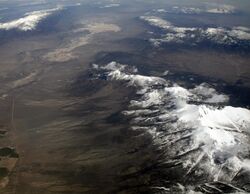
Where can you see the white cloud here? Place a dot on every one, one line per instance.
(28, 22)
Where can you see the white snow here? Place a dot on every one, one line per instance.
(241, 33)
(211, 8)
(28, 22)
(150, 98)
(217, 132)
(156, 21)
(222, 9)
(111, 5)
(209, 94)
(179, 34)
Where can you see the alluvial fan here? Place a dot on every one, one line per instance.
(205, 142)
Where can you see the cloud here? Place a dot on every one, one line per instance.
(196, 35)
(28, 22)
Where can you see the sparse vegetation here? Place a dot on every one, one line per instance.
(3, 172)
(8, 152)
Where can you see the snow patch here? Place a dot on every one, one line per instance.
(111, 5)
(212, 9)
(29, 21)
(196, 35)
(195, 120)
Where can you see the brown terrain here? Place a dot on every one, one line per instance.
(61, 132)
